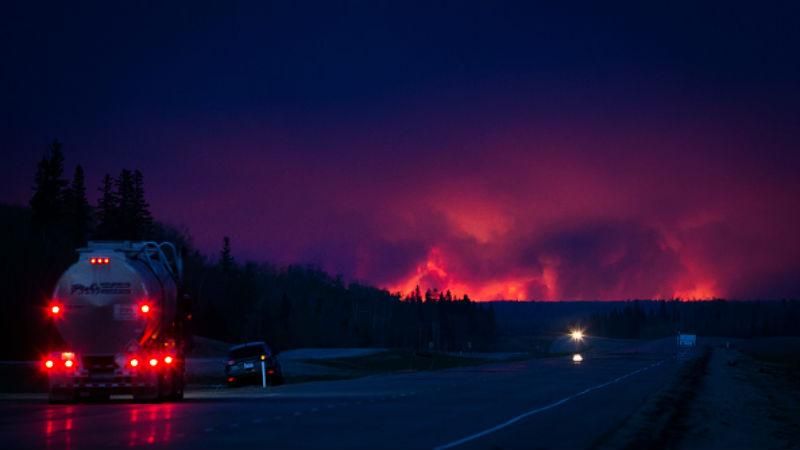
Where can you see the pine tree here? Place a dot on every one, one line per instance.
(127, 210)
(78, 211)
(107, 210)
(226, 261)
(142, 219)
(47, 202)
(417, 294)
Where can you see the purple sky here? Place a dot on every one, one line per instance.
(498, 150)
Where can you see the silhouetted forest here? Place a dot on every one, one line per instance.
(294, 306)
(651, 318)
(742, 319)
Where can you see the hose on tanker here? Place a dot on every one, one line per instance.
(150, 245)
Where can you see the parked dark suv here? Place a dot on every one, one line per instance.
(244, 364)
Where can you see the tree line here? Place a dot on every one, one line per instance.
(57, 204)
(742, 319)
(292, 306)
(302, 306)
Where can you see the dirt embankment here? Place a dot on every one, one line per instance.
(660, 423)
(724, 399)
(746, 403)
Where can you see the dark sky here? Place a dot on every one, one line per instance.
(507, 150)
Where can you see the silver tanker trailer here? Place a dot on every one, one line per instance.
(123, 323)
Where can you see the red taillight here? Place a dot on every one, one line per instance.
(144, 308)
(153, 362)
(49, 364)
(69, 363)
(134, 362)
(168, 360)
(97, 260)
(55, 310)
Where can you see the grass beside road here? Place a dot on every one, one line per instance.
(392, 361)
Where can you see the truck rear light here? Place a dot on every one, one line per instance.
(55, 309)
(49, 364)
(153, 362)
(168, 359)
(69, 359)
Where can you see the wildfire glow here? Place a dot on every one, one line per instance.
(433, 274)
(541, 282)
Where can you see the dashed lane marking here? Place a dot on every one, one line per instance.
(541, 409)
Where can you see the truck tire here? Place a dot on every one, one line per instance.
(56, 397)
(150, 397)
(176, 388)
(100, 397)
(153, 395)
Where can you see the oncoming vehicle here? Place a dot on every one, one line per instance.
(245, 363)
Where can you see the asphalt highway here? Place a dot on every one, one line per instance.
(535, 404)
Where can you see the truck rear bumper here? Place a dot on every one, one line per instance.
(78, 387)
(102, 386)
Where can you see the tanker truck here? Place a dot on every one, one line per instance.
(123, 324)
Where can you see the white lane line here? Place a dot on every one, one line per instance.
(532, 412)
